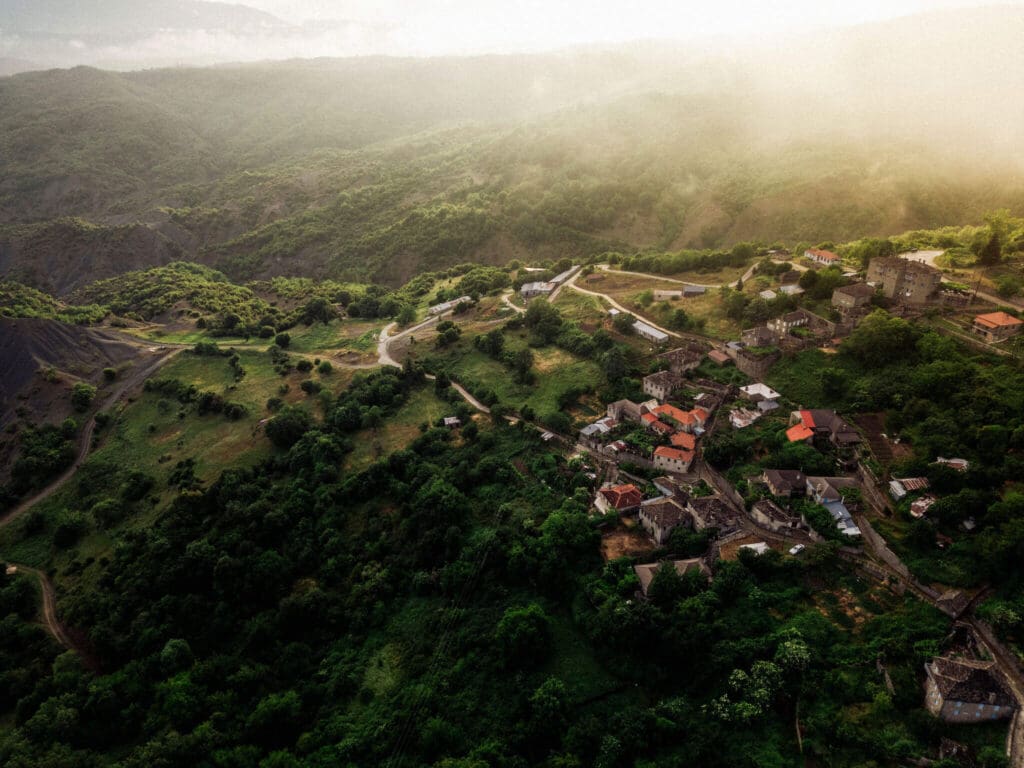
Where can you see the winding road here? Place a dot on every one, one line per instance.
(50, 620)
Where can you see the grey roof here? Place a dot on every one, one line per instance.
(649, 330)
(537, 288)
(970, 681)
(857, 290)
(785, 478)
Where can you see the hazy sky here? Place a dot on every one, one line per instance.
(461, 26)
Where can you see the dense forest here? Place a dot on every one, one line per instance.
(444, 607)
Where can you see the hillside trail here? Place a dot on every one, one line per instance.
(50, 621)
(85, 438)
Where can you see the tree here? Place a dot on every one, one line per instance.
(283, 340)
(881, 339)
(615, 365)
(406, 315)
(992, 252)
(543, 320)
(680, 320)
(666, 585)
(82, 395)
(291, 423)
(623, 323)
(522, 362)
(524, 635)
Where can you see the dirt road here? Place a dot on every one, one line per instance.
(507, 300)
(572, 284)
(85, 439)
(50, 621)
(385, 340)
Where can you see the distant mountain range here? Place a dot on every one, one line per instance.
(377, 168)
(118, 18)
(122, 33)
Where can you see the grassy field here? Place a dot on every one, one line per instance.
(152, 433)
(627, 290)
(398, 431)
(556, 372)
(351, 335)
(588, 311)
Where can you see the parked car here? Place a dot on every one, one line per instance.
(797, 549)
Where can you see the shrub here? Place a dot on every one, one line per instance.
(82, 395)
(283, 340)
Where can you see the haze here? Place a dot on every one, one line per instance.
(117, 34)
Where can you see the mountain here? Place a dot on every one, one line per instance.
(112, 19)
(129, 33)
(378, 168)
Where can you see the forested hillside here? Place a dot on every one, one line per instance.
(378, 169)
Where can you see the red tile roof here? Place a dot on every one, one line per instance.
(798, 433)
(674, 454)
(684, 440)
(997, 320)
(672, 412)
(623, 496)
(807, 419)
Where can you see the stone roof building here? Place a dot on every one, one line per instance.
(659, 517)
(967, 691)
(662, 384)
(785, 482)
(907, 281)
(645, 572)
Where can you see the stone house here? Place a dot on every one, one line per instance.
(618, 498)
(684, 359)
(966, 691)
(784, 325)
(645, 572)
(659, 517)
(672, 459)
(785, 482)
(662, 384)
(910, 282)
(996, 326)
(850, 298)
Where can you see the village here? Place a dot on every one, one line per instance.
(656, 480)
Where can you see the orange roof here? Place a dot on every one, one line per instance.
(799, 433)
(623, 496)
(684, 440)
(997, 320)
(673, 413)
(661, 426)
(701, 414)
(648, 418)
(807, 419)
(672, 453)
